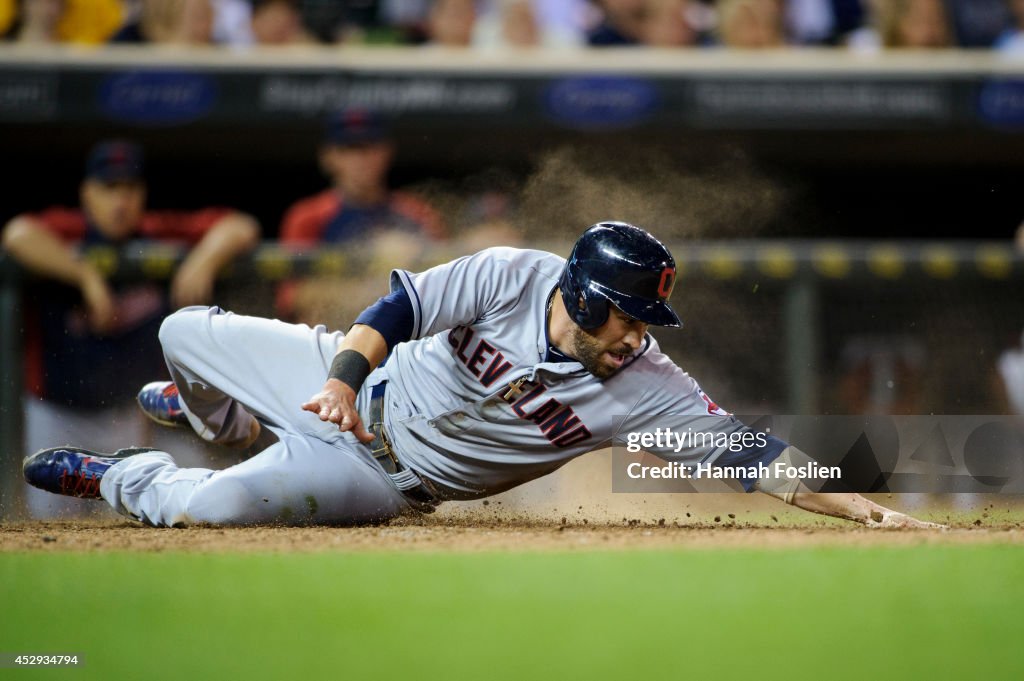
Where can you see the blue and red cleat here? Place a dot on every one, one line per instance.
(160, 401)
(73, 471)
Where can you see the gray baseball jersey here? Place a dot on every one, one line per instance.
(472, 403)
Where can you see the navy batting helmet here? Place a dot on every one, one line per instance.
(615, 262)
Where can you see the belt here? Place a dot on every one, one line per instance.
(415, 488)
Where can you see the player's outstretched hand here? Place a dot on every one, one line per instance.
(337, 403)
(893, 520)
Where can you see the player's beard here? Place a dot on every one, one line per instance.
(590, 353)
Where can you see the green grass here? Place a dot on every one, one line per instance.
(918, 612)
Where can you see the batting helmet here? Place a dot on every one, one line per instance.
(615, 262)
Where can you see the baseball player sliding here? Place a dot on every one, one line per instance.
(466, 380)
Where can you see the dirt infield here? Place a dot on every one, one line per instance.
(572, 510)
(471, 534)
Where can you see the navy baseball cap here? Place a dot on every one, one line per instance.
(114, 161)
(356, 126)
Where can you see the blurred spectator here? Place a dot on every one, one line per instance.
(91, 22)
(519, 25)
(809, 22)
(243, 23)
(72, 21)
(667, 23)
(750, 24)
(621, 23)
(8, 12)
(920, 24)
(978, 23)
(232, 22)
(348, 21)
(405, 12)
(36, 21)
(278, 22)
(176, 22)
(450, 23)
(526, 23)
(507, 23)
(1012, 42)
(359, 207)
(866, 37)
(408, 17)
(822, 22)
(90, 343)
(562, 22)
(849, 16)
(330, 21)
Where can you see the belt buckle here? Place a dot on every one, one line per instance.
(385, 447)
(386, 457)
(383, 453)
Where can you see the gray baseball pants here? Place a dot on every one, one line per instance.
(229, 369)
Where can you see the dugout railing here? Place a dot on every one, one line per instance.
(784, 326)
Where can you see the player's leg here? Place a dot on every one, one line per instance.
(299, 480)
(103, 429)
(229, 368)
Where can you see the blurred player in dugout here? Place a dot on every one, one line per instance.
(359, 208)
(90, 342)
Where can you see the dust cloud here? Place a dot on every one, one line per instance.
(726, 197)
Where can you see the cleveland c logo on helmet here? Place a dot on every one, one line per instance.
(668, 279)
(620, 264)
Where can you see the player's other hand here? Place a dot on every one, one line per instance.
(337, 403)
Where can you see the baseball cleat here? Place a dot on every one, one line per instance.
(73, 471)
(161, 402)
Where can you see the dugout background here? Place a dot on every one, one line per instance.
(796, 190)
